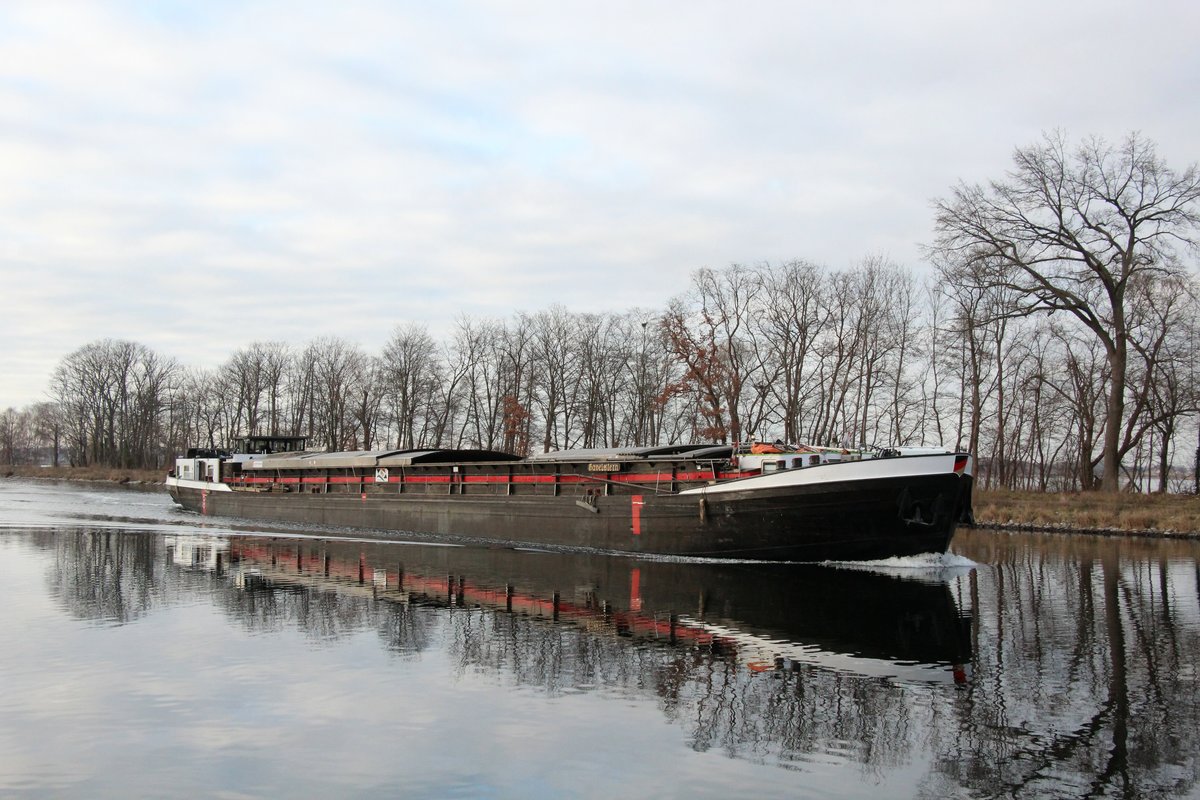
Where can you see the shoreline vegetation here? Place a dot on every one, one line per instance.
(1175, 516)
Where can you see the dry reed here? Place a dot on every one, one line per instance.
(1087, 511)
(109, 474)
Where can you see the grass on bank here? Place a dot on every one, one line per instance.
(1124, 511)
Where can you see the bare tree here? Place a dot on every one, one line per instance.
(1163, 329)
(838, 352)
(707, 332)
(114, 393)
(340, 377)
(482, 340)
(1070, 231)
(14, 436)
(786, 332)
(275, 360)
(1080, 377)
(202, 411)
(557, 357)
(649, 374)
(48, 427)
(409, 370)
(518, 379)
(962, 334)
(243, 376)
(884, 297)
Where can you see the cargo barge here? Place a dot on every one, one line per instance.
(709, 501)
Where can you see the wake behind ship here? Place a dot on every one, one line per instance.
(712, 501)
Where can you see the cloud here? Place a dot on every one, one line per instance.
(200, 178)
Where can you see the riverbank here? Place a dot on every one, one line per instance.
(108, 474)
(1124, 513)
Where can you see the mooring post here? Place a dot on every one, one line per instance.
(362, 568)
(508, 593)
(674, 622)
(556, 606)
(326, 560)
(400, 577)
(462, 582)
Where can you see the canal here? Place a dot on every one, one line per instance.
(150, 652)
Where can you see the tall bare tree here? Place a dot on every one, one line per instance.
(556, 353)
(787, 330)
(409, 368)
(48, 427)
(1163, 332)
(340, 378)
(1070, 230)
(707, 331)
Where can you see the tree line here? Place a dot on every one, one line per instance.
(1055, 339)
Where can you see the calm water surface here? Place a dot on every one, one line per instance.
(149, 652)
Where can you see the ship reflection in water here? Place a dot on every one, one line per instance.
(760, 661)
(763, 617)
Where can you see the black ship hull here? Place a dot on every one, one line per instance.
(851, 520)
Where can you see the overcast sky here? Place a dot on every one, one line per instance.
(199, 176)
